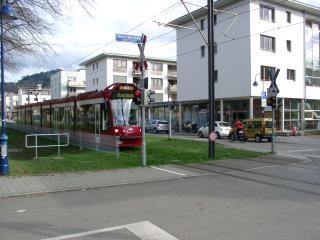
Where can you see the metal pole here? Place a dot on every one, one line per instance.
(59, 144)
(211, 77)
(273, 137)
(4, 165)
(169, 122)
(36, 146)
(143, 116)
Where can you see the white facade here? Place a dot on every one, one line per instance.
(11, 101)
(67, 83)
(266, 33)
(106, 69)
(239, 56)
(33, 95)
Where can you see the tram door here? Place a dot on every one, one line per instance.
(67, 119)
(97, 121)
(56, 119)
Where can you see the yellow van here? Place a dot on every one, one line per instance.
(258, 129)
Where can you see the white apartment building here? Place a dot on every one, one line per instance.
(67, 83)
(265, 34)
(33, 95)
(11, 101)
(106, 69)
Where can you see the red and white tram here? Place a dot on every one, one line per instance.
(111, 111)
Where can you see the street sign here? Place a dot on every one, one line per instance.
(272, 92)
(268, 109)
(263, 99)
(212, 136)
(128, 38)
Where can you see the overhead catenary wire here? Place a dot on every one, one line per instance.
(246, 36)
(130, 30)
(156, 37)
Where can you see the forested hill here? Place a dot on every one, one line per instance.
(31, 81)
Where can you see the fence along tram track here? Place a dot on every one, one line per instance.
(232, 173)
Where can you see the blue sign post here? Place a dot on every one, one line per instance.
(128, 38)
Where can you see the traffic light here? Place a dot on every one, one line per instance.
(146, 83)
(137, 96)
(151, 96)
(272, 102)
(172, 105)
(279, 102)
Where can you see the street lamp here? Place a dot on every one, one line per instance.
(6, 13)
(263, 94)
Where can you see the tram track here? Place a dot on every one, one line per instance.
(232, 173)
(294, 164)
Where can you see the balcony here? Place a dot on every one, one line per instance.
(76, 84)
(172, 89)
(172, 74)
(138, 72)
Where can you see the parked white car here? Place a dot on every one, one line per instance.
(222, 129)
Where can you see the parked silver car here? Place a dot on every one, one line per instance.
(222, 129)
(157, 126)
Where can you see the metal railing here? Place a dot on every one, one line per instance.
(77, 138)
(36, 146)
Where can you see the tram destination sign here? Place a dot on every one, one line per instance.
(121, 94)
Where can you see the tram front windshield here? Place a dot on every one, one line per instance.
(123, 112)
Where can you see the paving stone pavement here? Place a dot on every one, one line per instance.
(29, 185)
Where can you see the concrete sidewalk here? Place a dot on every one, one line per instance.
(30, 185)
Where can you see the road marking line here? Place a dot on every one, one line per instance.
(302, 150)
(255, 168)
(165, 170)
(21, 211)
(144, 230)
(148, 231)
(287, 155)
(314, 156)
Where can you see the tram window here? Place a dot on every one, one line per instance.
(106, 120)
(88, 116)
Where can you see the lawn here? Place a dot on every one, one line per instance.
(159, 151)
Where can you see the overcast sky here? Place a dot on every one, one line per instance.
(78, 36)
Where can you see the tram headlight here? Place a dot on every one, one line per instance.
(116, 130)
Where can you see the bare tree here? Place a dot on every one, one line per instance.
(27, 34)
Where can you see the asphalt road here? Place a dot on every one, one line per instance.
(275, 197)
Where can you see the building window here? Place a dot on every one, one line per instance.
(92, 66)
(157, 83)
(215, 48)
(267, 13)
(265, 72)
(119, 79)
(157, 68)
(267, 43)
(97, 65)
(203, 51)
(289, 45)
(202, 24)
(288, 17)
(215, 17)
(93, 81)
(97, 81)
(291, 74)
(119, 65)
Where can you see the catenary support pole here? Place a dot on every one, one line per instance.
(211, 77)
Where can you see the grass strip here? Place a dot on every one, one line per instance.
(160, 151)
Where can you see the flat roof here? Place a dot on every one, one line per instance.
(220, 4)
(124, 56)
